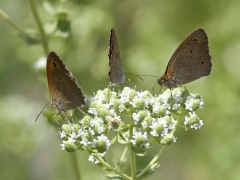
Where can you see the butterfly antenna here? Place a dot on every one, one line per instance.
(134, 75)
(41, 111)
(145, 75)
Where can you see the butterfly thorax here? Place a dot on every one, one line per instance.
(168, 82)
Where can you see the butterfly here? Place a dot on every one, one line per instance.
(190, 61)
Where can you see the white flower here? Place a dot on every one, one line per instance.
(99, 96)
(197, 125)
(100, 128)
(85, 142)
(156, 107)
(93, 111)
(135, 117)
(81, 131)
(62, 134)
(121, 108)
(177, 95)
(175, 106)
(189, 105)
(91, 131)
(72, 137)
(62, 145)
(165, 96)
(91, 159)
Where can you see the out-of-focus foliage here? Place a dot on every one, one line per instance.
(148, 32)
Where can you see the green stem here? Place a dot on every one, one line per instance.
(40, 27)
(123, 155)
(152, 161)
(155, 159)
(132, 155)
(75, 166)
(113, 140)
(180, 117)
(13, 24)
(124, 176)
(104, 163)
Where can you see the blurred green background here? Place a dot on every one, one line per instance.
(148, 32)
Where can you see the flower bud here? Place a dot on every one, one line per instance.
(70, 146)
(147, 121)
(75, 128)
(159, 110)
(101, 144)
(139, 104)
(193, 121)
(168, 139)
(141, 141)
(86, 121)
(158, 129)
(67, 129)
(192, 104)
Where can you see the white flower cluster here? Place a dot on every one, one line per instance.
(153, 118)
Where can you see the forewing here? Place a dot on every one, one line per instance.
(192, 62)
(116, 73)
(65, 92)
(198, 35)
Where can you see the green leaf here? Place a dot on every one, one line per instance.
(121, 139)
(62, 15)
(27, 38)
(122, 163)
(149, 172)
(48, 7)
(63, 25)
(114, 176)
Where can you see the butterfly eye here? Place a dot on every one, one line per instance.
(54, 64)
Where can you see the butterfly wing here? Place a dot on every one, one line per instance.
(66, 94)
(116, 73)
(191, 60)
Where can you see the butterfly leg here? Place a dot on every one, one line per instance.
(56, 120)
(187, 91)
(82, 112)
(71, 116)
(65, 117)
(127, 82)
(154, 88)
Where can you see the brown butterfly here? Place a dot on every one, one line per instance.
(65, 93)
(116, 73)
(190, 61)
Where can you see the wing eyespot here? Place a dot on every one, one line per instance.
(202, 62)
(54, 64)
